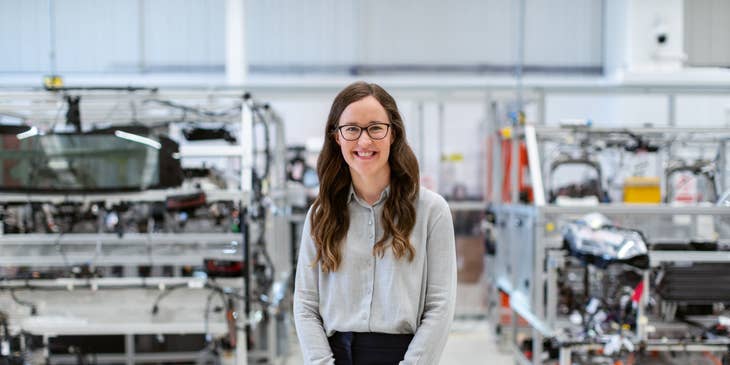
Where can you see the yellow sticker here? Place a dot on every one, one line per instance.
(506, 132)
(550, 226)
(52, 82)
(453, 157)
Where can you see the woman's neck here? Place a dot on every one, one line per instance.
(370, 188)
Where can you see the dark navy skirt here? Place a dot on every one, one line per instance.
(367, 348)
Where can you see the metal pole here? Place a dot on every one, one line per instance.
(672, 110)
(421, 136)
(485, 132)
(536, 347)
(46, 349)
(538, 279)
(541, 107)
(247, 190)
(440, 144)
(129, 348)
(52, 36)
(520, 53)
(141, 35)
(565, 356)
(722, 166)
(498, 167)
(236, 63)
(641, 315)
(551, 305)
(514, 167)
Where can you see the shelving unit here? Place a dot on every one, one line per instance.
(122, 305)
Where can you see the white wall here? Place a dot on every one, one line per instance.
(184, 33)
(164, 35)
(24, 36)
(565, 32)
(631, 31)
(608, 110)
(437, 32)
(93, 36)
(426, 32)
(111, 35)
(707, 29)
(312, 32)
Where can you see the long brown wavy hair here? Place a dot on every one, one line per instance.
(330, 218)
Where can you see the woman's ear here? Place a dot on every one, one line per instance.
(337, 138)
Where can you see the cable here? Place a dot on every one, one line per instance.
(32, 306)
(267, 140)
(259, 214)
(55, 119)
(148, 245)
(206, 320)
(224, 291)
(206, 316)
(4, 325)
(156, 305)
(188, 109)
(59, 247)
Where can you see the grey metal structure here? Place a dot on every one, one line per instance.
(530, 254)
(161, 302)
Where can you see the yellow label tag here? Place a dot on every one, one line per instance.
(506, 132)
(550, 227)
(454, 157)
(53, 82)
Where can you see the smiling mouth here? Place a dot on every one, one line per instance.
(364, 154)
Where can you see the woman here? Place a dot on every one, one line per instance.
(376, 276)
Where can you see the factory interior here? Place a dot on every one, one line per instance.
(159, 158)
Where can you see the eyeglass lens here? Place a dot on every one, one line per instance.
(353, 132)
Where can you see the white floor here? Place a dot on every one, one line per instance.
(471, 340)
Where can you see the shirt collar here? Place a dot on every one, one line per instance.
(382, 198)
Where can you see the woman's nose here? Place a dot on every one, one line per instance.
(364, 139)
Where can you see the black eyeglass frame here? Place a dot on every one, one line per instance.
(367, 129)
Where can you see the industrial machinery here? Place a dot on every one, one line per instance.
(599, 282)
(142, 229)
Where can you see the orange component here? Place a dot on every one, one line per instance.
(631, 359)
(491, 143)
(523, 186)
(505, 312)
(503, 299)
(714, 359)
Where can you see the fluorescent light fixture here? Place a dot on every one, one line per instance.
(58, 164)
(139, 139)
(33, 131)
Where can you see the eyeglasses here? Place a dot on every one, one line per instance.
(353, 132)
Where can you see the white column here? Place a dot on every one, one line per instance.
(643, 36)
(236, 66)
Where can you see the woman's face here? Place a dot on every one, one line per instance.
(367, 157)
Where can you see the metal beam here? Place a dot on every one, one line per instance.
(236, 65)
